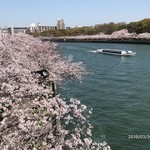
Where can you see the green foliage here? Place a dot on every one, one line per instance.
(107, 28)
(140, 26)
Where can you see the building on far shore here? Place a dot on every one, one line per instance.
(12, 30)
(46, 28)
(34, 27)
(60, 24)
(38, 28)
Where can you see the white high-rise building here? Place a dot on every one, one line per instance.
(60, 24)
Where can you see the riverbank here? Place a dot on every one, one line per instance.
(128, 41)
(122, 36)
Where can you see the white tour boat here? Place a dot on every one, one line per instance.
(116, 52)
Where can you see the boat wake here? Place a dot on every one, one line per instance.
(92, 51)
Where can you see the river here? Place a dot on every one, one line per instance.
(118, 90)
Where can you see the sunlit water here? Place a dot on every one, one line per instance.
(118, 90)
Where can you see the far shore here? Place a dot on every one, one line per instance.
(127, 41)
(97, 40)
(122, 36)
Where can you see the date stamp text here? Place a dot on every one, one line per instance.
(139, 136)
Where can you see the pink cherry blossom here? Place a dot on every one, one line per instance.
(121, 34)
(32, 116)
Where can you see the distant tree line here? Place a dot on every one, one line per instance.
(106, 28)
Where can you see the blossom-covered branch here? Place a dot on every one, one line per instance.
(31, 116)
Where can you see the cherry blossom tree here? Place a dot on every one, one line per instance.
(121, 34)
(144, 36)
(32, 116)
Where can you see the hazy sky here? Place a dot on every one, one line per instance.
(74, 12)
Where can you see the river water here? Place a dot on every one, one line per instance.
(118, 90)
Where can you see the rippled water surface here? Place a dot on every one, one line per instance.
(118, 90)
